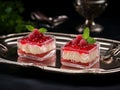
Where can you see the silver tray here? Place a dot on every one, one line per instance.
(8, 55)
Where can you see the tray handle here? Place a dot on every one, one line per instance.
(3, 48)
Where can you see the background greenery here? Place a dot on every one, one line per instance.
(11, 17)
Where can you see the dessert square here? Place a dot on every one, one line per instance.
(78, 53)
(37, 46)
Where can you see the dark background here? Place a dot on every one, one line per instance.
(109, 19)
(51, 8)
(57, 7)
(21, 78)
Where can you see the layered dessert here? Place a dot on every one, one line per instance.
(81, 52)
(37, 46)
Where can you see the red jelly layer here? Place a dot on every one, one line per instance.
(79, 63)
(84, 49)
(79, 44)
(42, 41)
(37, 55)
(36, 38)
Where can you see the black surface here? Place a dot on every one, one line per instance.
(109, 19)
(20, 78)
(35, 79)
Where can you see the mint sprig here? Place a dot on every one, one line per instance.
(42, 30)
(86, 36)
(86, 33)
(91, 40)
(31, 28)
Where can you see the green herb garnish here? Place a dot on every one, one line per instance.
(31, 28)
(86, 33)
(43, 30)
(91, 40)
(86, 36)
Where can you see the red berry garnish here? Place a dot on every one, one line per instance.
(79, 37)
(68, 43)
(75, 41)
(82, 42)
(35, 35)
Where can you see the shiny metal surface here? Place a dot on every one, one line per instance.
(8, 54)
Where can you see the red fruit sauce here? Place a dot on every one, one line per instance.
(36, 38)
(79, 44)
(37, 55)
(79, 63)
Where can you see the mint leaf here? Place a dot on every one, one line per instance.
(91, 40)
(42, 30)
(86, 36)
(30, 27)
(86, 33)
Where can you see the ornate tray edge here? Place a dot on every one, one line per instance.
(95, 70)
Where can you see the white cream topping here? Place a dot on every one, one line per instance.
(77, 57)
(35, 49)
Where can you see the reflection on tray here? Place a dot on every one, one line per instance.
(97, 65)
(49, 62)
(8, 49)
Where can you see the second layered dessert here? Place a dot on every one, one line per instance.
(81, 52)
